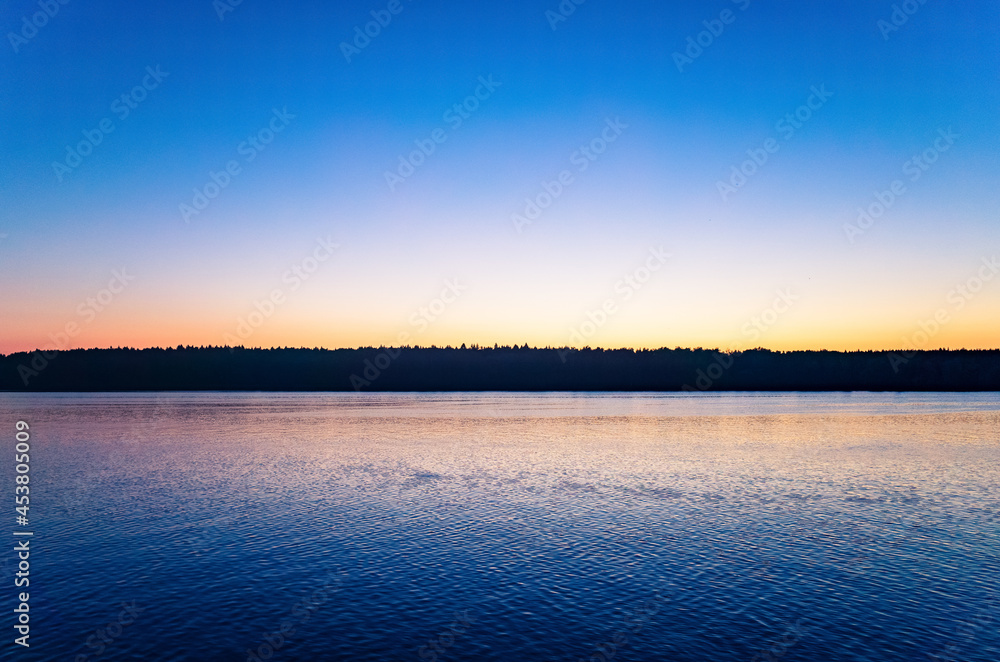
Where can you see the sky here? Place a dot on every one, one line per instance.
(728, 174)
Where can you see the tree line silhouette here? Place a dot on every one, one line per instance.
(497, 368)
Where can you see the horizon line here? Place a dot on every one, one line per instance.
(496, 346)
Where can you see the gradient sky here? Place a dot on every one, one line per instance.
(655, 187)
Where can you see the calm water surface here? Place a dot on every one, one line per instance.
(511, 526)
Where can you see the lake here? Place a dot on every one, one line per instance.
(497, 526)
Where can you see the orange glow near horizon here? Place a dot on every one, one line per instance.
(959, 335)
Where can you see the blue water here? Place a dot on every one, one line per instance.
(510, 526)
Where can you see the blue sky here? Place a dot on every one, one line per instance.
(656, 185)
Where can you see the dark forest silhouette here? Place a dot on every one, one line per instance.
(496, 369)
